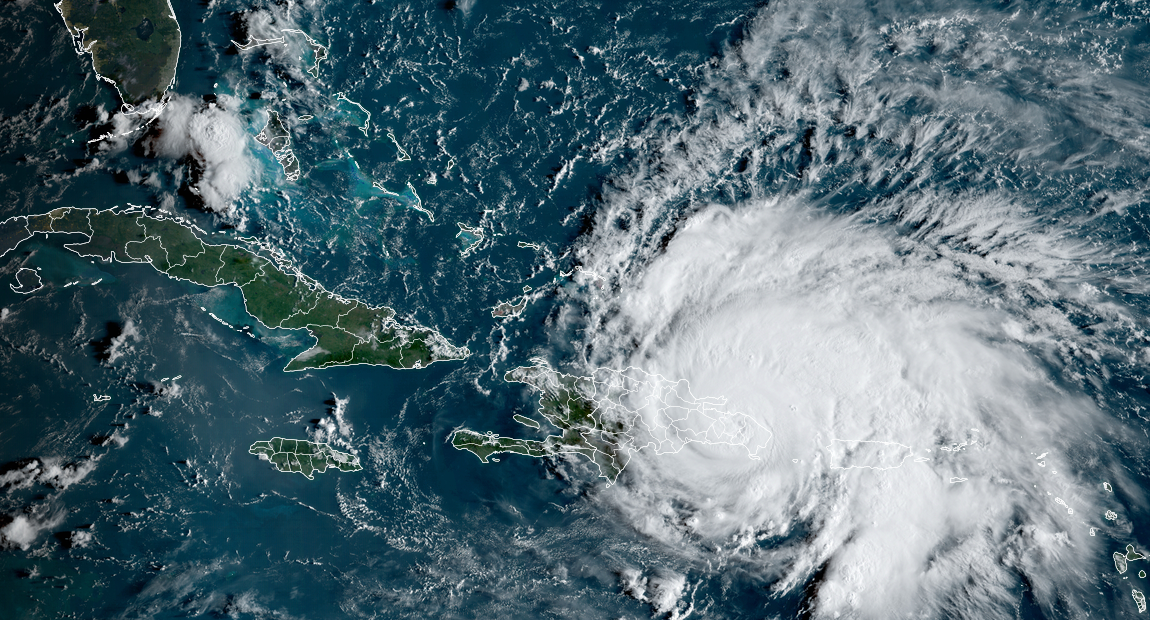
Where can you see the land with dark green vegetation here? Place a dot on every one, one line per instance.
(304, 457)
(276, 137)
(133, 43)
(568, 403)
(277, 295)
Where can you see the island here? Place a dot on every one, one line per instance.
(607, 416)
(134, 44)
(27, 281)
(566, 402)
(275, 293)
(277, 139)
(866, 454)
(303, 457)
(506, 309)
(469, 238)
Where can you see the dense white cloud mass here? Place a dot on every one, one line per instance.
(24, 529)
(913, 351)
(217, 141)
(824, 330)
(21, 532)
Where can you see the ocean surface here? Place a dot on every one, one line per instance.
(909, 239)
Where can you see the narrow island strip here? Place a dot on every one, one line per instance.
(347, 331)
(303, 457)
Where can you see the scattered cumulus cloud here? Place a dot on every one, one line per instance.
(334, 429)
(50, 472)
(119, 344)
(663, 590)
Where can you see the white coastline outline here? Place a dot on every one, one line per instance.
(477, 231)
(126, 108)
(435, 341)
(887, 443)
(630, 445)
(366, 121)
(335, 454)
(402, 155)
(286, 154)
(39, 281)
(320, 50)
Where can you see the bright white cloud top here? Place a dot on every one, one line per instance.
(609, 415)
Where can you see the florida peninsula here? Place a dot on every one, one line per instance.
(134, 44)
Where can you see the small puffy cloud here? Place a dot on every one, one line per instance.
(119, 344)
(81, 538)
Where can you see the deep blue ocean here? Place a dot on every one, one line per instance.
(918, 223)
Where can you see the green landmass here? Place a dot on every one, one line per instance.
(505, 309)
(134, 43)
(277, 138)
(1132, 555)
(274, 135)
(277, 295)
(568, 403)
(304, 457)
(526, 421)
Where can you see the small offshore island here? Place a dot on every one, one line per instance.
(275, 293)
(134, 44)
(303, 457)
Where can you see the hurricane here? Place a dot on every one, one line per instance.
(722, 309)
(899, 243)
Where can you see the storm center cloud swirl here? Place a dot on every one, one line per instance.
(906, 413)
(817, 242)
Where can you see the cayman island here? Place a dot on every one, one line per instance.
(134, 44)
(275, 293)
(303, 457)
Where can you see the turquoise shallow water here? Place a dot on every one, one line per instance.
(599, 134)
